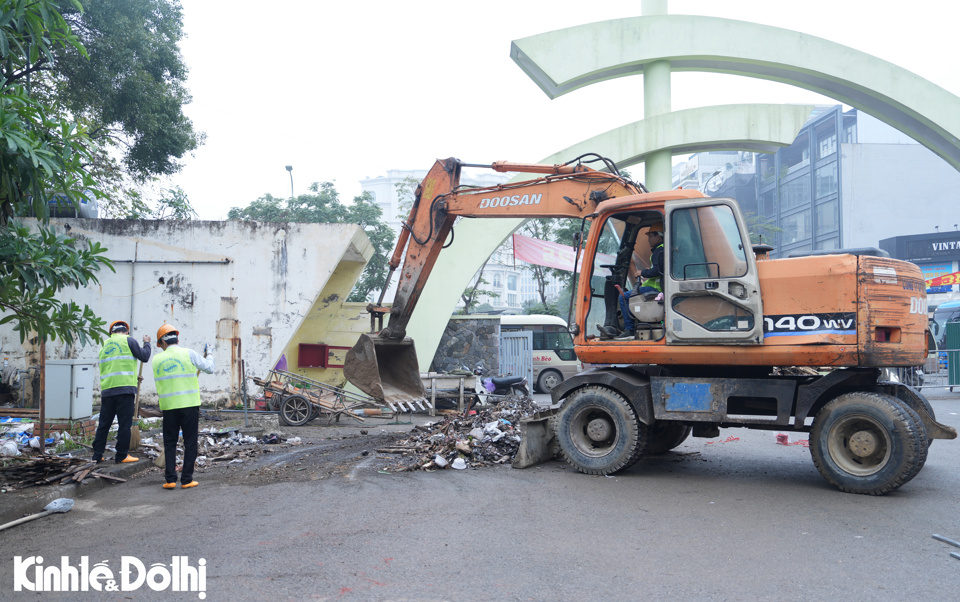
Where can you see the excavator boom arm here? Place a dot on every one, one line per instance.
(572, 191)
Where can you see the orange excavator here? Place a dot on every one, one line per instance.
(731, 339)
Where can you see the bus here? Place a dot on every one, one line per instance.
(553, 356)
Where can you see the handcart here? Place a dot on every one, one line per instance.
(298, 400)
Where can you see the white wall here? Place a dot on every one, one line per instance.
(871, 130)
(249, 306)
(895, 190)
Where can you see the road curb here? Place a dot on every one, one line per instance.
(13, 506)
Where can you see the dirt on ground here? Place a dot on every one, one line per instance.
(322, 451)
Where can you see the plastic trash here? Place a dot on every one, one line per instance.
(9, 448)
(459, 463)
(294, 440)
(440, 461)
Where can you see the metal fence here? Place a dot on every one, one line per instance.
(940, 371)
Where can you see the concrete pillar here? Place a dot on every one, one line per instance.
(648, 8)
(658, 168)
(656, 101)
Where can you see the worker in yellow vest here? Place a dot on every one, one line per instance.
(175, 371)
(118, 388)
(652, 279)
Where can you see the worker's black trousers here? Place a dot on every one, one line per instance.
(121, 408)
(174, 421)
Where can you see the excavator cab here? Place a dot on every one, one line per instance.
(711, 292)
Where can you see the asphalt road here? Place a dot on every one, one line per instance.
(734, 518)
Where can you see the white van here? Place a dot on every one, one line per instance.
(553, 356)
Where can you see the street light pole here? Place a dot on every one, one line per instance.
(290, 169)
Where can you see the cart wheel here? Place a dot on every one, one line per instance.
(296, 410)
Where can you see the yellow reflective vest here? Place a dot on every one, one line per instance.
(118, 367)
(176, 379)
(653, 282)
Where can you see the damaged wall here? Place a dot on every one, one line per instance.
(333, 325)
(244, 288)
(468, 340)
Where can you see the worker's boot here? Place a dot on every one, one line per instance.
(169, 485)
(189, 485)
(608, 332)
(611, 326)
(129, 458)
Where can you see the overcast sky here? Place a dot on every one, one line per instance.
(342, 91)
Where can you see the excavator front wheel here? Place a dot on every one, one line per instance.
(667, 435)
(599, 433)
(867, 443)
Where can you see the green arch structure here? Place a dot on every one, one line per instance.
(759, 128)
(567, 59)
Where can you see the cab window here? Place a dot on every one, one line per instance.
(705, 243)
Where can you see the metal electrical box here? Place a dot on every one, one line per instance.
(68, 389)
(953, 353)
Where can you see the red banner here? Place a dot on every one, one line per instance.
(944, 280)
(550, 254)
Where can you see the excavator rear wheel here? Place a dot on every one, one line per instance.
(599, 433)
(868, 443)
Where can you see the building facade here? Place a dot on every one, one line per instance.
(936, 253)
(847, 181)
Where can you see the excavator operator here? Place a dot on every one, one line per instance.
(651, 279)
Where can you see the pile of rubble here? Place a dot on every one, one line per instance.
(223, 445)
(483, 438)
(17, 438)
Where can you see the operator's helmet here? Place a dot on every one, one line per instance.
(656, 227)
(118, 326)
(167, 331)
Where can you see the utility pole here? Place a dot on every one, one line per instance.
(290, 169)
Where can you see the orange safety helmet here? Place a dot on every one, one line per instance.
(165, 330)
(656, 227)
(114, 324)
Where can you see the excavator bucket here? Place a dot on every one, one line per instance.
(538, 441)
(386, 370)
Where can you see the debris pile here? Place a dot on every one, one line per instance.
(17, 438)
(482, 438)
(224, 445)
(47, 470)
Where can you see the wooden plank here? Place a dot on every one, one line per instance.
(100, 475)
(80, 476)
